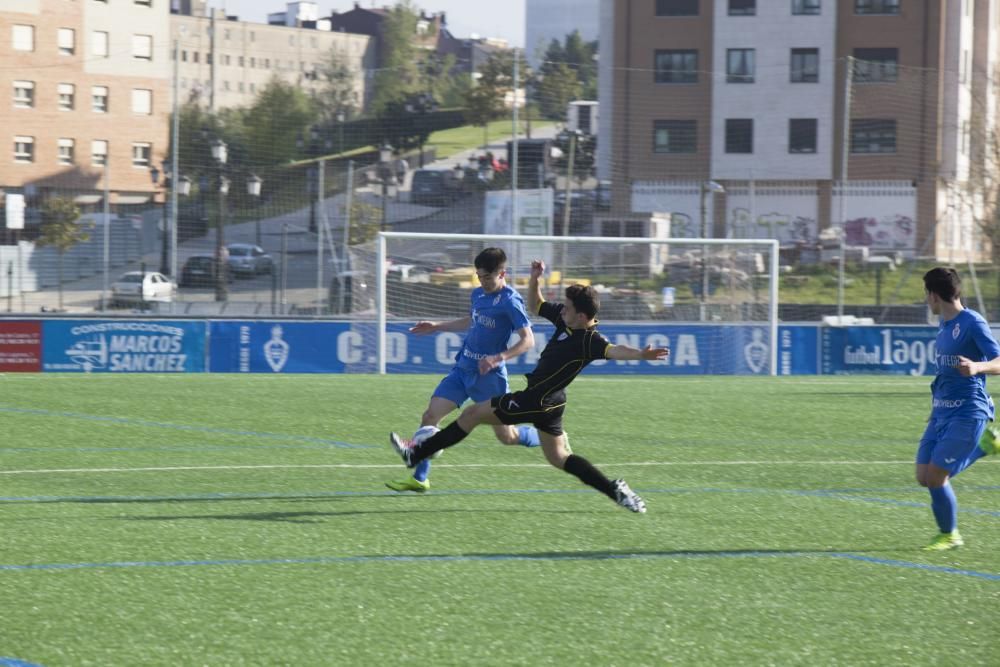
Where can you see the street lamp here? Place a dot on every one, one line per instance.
(312, 176)
(341, 117)
(220, 155)
(386, 175)
(154, 176)
(254, 183)
(706, 188)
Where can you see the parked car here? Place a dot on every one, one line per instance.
(199, 271)
(433, 187)
(137, 287)
(246, 259)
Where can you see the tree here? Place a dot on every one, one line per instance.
(399, 72)
(60, 230)
(278, 117)
(366, 221)
(578, 57)
(337, 93)
(556, 90)
(487, 100)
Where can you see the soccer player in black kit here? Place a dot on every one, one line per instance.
(575, 343)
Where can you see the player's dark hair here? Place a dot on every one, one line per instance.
(491, 259)
(584, 299)
(944, 282)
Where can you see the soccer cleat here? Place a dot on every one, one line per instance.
(945, 541)
(990, 442)
(628, 498)
(404, 448)
(409, 484)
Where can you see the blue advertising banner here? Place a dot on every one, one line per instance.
(798, 350)
(883, 350)
(123, 346)
(342, 347)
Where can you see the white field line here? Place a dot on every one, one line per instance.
(396, 466)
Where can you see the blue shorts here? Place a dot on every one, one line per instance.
(951, 444)
(462, 384)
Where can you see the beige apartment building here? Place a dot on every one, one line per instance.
(229, 70)
(87, 90)
(754, 95)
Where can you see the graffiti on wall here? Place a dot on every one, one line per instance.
(788, 229)
(896, 232)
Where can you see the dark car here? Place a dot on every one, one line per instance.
(432, 187)
(199, 271)
(246, 259)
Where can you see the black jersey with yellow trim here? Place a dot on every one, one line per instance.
(566, 354)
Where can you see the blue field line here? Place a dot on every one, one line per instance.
(886, 501)
(467, 558)
(14, 662)
(183, 427)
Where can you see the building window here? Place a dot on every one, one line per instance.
(23, 37)
(66, 149)
(802, 135)
(98, 152)
(24, 94)
(66, 39)
(142, 154)
(677, 7)
(876, 6)
(267, 63)
(253, 36)
(142, 101)
(873, 136)
(253, 87)
(24, 149)
(226, 60)
(240, 61)
(805, 7)
(142, 47)
(739, 135)
(240, 87)
(147, 3)
(253, 63)
(99, 99)
(675, 136)
(739, 65)
(876, 65)
(226, 34)
(742, 7)
(805, 66)
(225, 85)
(99, 44)
(67, 96)
(676, 66)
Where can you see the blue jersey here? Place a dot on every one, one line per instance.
(954, 396)
(495, 317)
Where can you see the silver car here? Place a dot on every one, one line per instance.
(246, 259)
(136, 287)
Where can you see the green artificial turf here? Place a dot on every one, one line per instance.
(231, 520)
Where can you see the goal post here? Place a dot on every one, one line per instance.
(720, 296)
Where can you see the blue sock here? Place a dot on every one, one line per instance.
(422, 470)
(528, 436)
(945, 507)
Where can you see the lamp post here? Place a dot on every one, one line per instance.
(385, 174)
(220, 155)
(154, 176)
(706, 188)
(341, 117)
(254, 183)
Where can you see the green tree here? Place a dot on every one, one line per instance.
(279, 116)
(365, 222)
(337, 94)
(399, 71)
(556, 89)
(577, 55)
(487, 100)
(61, 231)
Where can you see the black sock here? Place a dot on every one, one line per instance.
(588, 474)
(452, 434)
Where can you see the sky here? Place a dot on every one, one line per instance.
(485, 18)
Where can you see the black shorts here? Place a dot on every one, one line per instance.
(525, 407)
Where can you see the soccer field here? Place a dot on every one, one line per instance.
(230, 520)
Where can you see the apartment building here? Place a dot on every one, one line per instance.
(87, 85)
(228, 67)
(754, 95)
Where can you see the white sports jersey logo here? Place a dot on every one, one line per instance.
(956, 331)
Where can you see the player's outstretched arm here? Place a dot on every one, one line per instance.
(423, 328)
(526, 341)
(968, 367)
(628, 353)
(534, 288)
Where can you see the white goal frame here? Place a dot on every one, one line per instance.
(380, 274)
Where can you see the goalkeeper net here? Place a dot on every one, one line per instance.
(713, 301)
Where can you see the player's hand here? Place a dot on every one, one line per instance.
(537, 268)
(486, 364)
(650, 353)
(967, 367)
(423, 328)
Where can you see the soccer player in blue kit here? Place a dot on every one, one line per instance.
(958, 431)
(479, 372)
